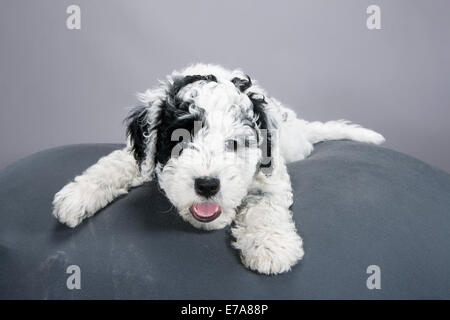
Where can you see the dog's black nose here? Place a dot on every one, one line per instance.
(207, 186)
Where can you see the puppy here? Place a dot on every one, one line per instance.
(218, 146)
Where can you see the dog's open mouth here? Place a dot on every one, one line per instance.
(205, 211)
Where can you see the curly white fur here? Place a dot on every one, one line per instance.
(257, 202)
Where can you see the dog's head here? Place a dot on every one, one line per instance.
(206, 134)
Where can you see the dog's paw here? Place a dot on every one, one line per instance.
(69, 205)
(272, 257)
(76, 201)
(268, 249)
(271, 253)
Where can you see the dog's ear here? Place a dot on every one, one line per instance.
(264, 120)
(142, 123)
(138, 128)
(267, 129)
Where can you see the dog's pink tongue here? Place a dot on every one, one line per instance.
(206, 209)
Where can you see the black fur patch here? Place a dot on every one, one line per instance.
(169, 123)
(242, 84)
(175, 115)
(137, 128)
(263, 123)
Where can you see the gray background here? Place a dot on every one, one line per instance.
(59, 86)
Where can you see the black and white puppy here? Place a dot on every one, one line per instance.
(218, 146)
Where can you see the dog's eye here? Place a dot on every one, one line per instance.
(231, 145)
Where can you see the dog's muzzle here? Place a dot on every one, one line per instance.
(205, 211)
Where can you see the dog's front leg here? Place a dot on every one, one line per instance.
(112, 176)
(264, 230)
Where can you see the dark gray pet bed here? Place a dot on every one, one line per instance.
(355, 205)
